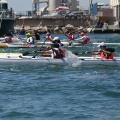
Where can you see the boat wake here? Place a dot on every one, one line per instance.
(72, 59)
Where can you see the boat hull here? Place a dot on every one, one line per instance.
(17, 58)
(7, 24)
(19, 44)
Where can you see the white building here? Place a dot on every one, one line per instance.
(115, 4)
(56, 3)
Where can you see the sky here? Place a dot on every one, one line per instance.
(26, 5)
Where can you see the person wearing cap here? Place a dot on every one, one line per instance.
(60, 53)
(48, 36)
(83, 38)
(30, 39)
(105, 53)
(55, 50)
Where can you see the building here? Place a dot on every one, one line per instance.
(115, 4)
(53, 4)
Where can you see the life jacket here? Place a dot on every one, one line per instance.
(8, 39)
(86, 40)
(71, 36)
(59, 51)
(105, 56)
(30, 40)
(49, 37)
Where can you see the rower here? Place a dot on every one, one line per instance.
(30, 39)
(6, 39)
(55, 50)
(48, 36)
(70, 37)
(105, 53)
(37, 35)
(85, 39)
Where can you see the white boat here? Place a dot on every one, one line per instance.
(74, 44)
(15, 58)
(39, 44)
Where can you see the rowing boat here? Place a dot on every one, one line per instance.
(15, 58)
(39, 44)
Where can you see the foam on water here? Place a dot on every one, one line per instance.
(72, 59)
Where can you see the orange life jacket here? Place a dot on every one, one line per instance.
(86, 40)
(105, 56)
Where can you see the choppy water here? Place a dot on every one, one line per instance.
(54, 92)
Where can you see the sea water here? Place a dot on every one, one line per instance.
(55, 92)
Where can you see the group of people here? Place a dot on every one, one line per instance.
(57, 50)
(81, 38)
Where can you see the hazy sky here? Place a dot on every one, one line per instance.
(26, 5)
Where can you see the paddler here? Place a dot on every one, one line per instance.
(55, 50)
(48, 36)
(70, 37)
(7, 38)
(30, 39)
(83, 38)
(105, 53)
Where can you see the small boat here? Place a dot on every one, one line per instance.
(15, 58)
(39, 44)
(74, 43)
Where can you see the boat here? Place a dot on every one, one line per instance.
(16, 58)
(19, 44)
(7, 20)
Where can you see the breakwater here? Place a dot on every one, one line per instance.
(52, 24)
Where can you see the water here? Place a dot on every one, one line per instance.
(54, 92)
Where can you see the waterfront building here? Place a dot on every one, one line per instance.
(115, 4)
(53, 4)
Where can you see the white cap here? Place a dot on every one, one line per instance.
(56, 38)
(101, 44)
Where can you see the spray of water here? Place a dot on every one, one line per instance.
(72, 59)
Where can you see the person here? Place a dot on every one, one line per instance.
(104, 52)
(84, 39)
(6, 38)
(37, 35)
(55, 50)
(70, 35)
(62, 50)
(48, 36)
(30, 39)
